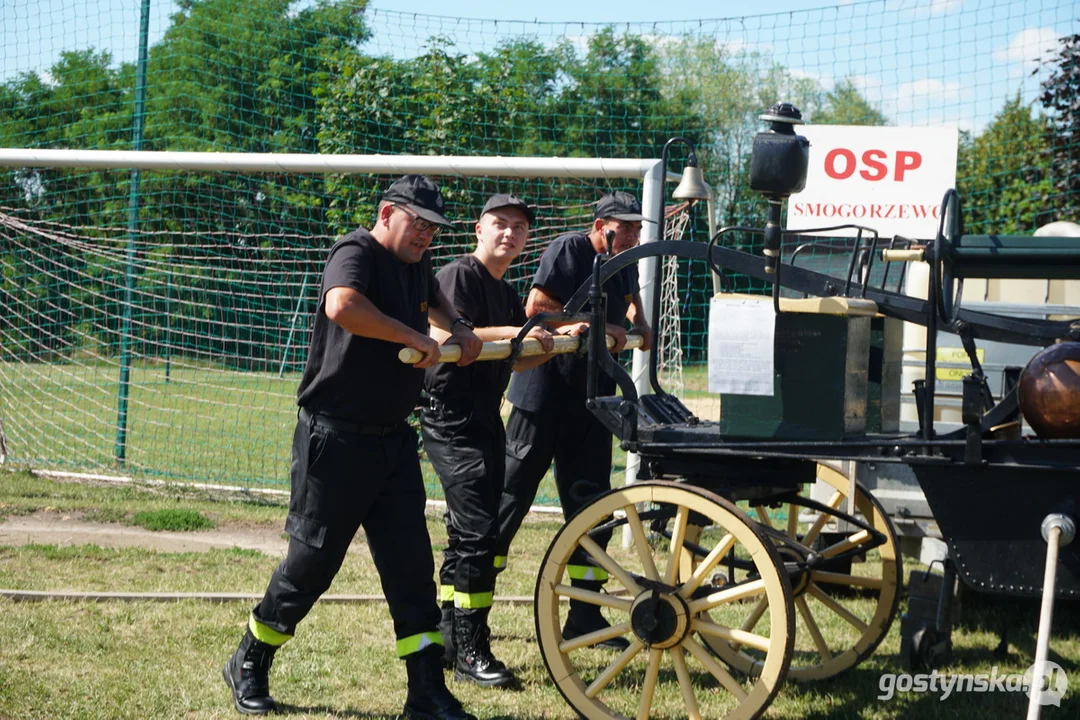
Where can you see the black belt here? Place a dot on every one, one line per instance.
(459, 403)
(345, 426)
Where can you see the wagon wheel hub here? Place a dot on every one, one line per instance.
(795, 563)
(660, 619)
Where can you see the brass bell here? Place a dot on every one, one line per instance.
(692, 185)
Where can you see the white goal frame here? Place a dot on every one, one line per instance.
(648, 171)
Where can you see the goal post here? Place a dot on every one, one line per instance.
(58, 371)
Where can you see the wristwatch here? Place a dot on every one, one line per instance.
(463, 321)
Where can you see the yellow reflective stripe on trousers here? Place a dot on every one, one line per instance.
(446, 593)
(266, 634)
(500, 562)
(416, 643)
(473, 601)
(586, 572)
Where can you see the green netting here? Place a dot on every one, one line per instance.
(226, 264)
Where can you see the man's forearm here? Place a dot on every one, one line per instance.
(635, 314)
(540, 303)
(359, 316)
(440, 318)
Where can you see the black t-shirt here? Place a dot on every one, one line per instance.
(360, 379)
(564, 267)
(485, 302)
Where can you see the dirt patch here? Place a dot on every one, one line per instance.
(64, 529)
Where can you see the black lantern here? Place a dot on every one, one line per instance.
(778, 167)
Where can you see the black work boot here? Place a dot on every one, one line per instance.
(446, 627)
(247, 675)
(475, 663)
(585, 618)
(428, 698)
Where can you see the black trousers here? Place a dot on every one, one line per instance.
(466, 444)
(341, 481)
(566, 432)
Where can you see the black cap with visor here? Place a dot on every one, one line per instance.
(619, 205)
(420, 195)
(508, 200)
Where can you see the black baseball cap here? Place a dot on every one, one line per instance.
(510, 200)
(620, 206)
(420, 195)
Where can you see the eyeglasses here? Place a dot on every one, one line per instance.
(420, 224)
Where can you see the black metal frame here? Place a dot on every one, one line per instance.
(673, 443)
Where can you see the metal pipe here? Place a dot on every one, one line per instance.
(717, 283)
(658, 267)
(133, 225)
(168, 324)
(299, 162)
(1058, 530)
(652, 205)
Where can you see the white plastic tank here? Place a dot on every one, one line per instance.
(1021, 297)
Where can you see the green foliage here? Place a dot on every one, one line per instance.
(846, 105)
(1002, 174)
(726, 89)
(175, 520)
(1061, 98)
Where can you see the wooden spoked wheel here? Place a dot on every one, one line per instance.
(843, 612)
(665, 671)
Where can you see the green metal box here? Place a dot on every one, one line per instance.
(821, 367)
(886, 365)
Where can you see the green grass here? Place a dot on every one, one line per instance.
(162, 660)
(23, 494)
(174, 519)
(105, 515)
(214, 571)
(205, 424)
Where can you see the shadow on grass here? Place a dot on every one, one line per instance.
(861, 693)
(326, 710)
(1019, 617)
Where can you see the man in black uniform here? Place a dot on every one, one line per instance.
(549, 419)
(354, 458)
(465, 439)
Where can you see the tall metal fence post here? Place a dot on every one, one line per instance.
(168, 323)
(133, 225)
(652, 205)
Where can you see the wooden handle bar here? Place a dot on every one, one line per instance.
(913, 255)
(500, 349)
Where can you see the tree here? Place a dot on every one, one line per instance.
(1003, 176)
(522, 98)
(729, 89)
(84, 102)
(1061, 97)
(845, 105)
(244, 76)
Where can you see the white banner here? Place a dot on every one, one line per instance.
(891, 179)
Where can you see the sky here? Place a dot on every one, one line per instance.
(921, 62)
